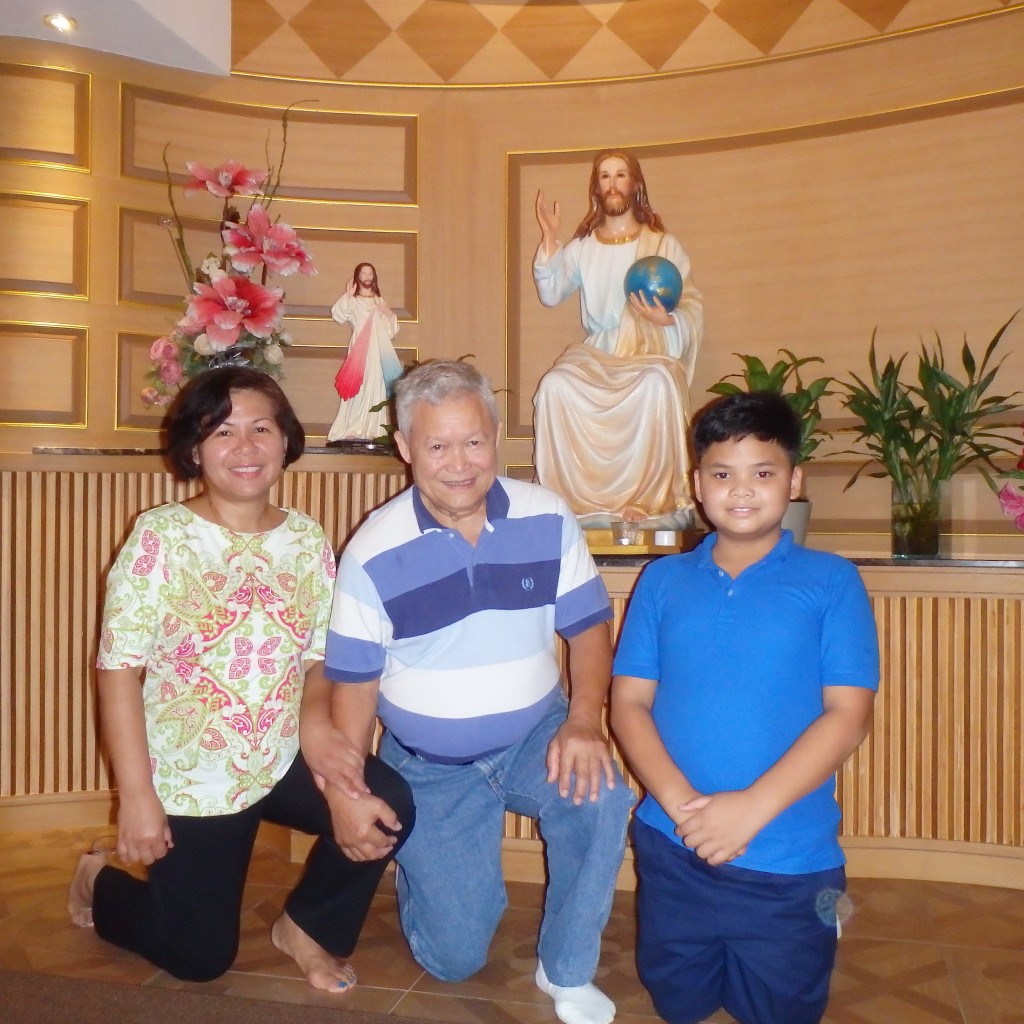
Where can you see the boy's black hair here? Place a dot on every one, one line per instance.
(761, 414)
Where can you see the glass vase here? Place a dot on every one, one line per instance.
(920, 518)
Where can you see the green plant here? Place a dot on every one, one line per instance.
(920, 434)
(784, 379)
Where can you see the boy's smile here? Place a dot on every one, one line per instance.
(745, 487)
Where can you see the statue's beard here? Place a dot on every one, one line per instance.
(615, 204)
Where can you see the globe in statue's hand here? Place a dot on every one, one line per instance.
(656, 278)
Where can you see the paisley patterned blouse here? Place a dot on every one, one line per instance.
(222, 623)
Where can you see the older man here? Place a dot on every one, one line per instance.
(446, 607)
(611, 414)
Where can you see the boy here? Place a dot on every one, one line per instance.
(744, 678)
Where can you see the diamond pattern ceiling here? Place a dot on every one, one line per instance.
(468, 42)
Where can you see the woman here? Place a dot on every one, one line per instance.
(371, 367)
(216, 612)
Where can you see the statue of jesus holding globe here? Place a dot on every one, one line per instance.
(611, 414)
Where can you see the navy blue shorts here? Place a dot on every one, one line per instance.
(761, 945)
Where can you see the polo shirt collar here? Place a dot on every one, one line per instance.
(497, 508)
(777, 554)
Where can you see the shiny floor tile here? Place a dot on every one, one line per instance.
(911, 953)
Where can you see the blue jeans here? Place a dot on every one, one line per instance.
(451, 893)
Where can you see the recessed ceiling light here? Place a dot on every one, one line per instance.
(61, 22)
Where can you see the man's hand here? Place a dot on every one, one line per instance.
(143, 835)
(332, 757)
(580, 750)
(550, 220)
(357, 824)
(654, 312)
(718, 827)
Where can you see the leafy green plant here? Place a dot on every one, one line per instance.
(784, 379)
(921, 433)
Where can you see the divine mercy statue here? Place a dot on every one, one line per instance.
(371, 367)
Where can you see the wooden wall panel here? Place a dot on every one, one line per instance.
(45, 374)
(149, 273)
(46, 115)
(805, 237)
(46, 245)
(381, 147)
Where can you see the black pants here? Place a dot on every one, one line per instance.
(185, 918)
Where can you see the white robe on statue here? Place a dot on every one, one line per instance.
(370, 368)
(611, 414)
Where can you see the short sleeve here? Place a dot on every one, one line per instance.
(132, 598)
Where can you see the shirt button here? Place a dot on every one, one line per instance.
(728, 593)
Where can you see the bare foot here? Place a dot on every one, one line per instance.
(633, 514)
(80, 890)
(322, 970)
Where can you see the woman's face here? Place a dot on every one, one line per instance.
(244, 456)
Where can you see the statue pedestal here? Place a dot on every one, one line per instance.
(602, 542)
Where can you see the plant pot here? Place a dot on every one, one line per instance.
(920, 519)
(797, 517)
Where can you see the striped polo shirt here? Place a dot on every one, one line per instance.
(462, 637)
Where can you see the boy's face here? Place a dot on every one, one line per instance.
(745, 487)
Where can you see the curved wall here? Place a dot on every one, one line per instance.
(820, 197)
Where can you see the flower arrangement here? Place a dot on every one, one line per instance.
(1011, 495)
(231, 315)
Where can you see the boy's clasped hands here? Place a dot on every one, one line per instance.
(718, 826)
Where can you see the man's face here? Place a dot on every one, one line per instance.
(615, 186)
(366, 278)
(452, 449)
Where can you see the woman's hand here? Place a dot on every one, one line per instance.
(143, 834)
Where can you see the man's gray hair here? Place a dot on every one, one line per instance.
(436, 381)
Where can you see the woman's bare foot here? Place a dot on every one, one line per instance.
(82, 884)
(322, 970)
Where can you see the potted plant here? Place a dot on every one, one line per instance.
(783, 378)
(921, 433)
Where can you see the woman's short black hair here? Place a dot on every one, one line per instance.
(761, 414)
(204, 403)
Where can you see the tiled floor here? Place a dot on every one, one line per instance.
(912, 952)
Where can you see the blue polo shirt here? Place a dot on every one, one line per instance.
(462, 636)
(740, 665)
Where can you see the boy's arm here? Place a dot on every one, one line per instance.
(641, 744)
(718, 827)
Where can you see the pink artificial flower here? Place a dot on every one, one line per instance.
(1011, 501)
(149, 396)
(163, 349)
(230, 179)
(260, 242)
(226, 306)
(171, 372)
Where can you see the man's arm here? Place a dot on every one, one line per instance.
(358, 819)
(580, 746)
(332, 757)
(718, 827)
(642, 745)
